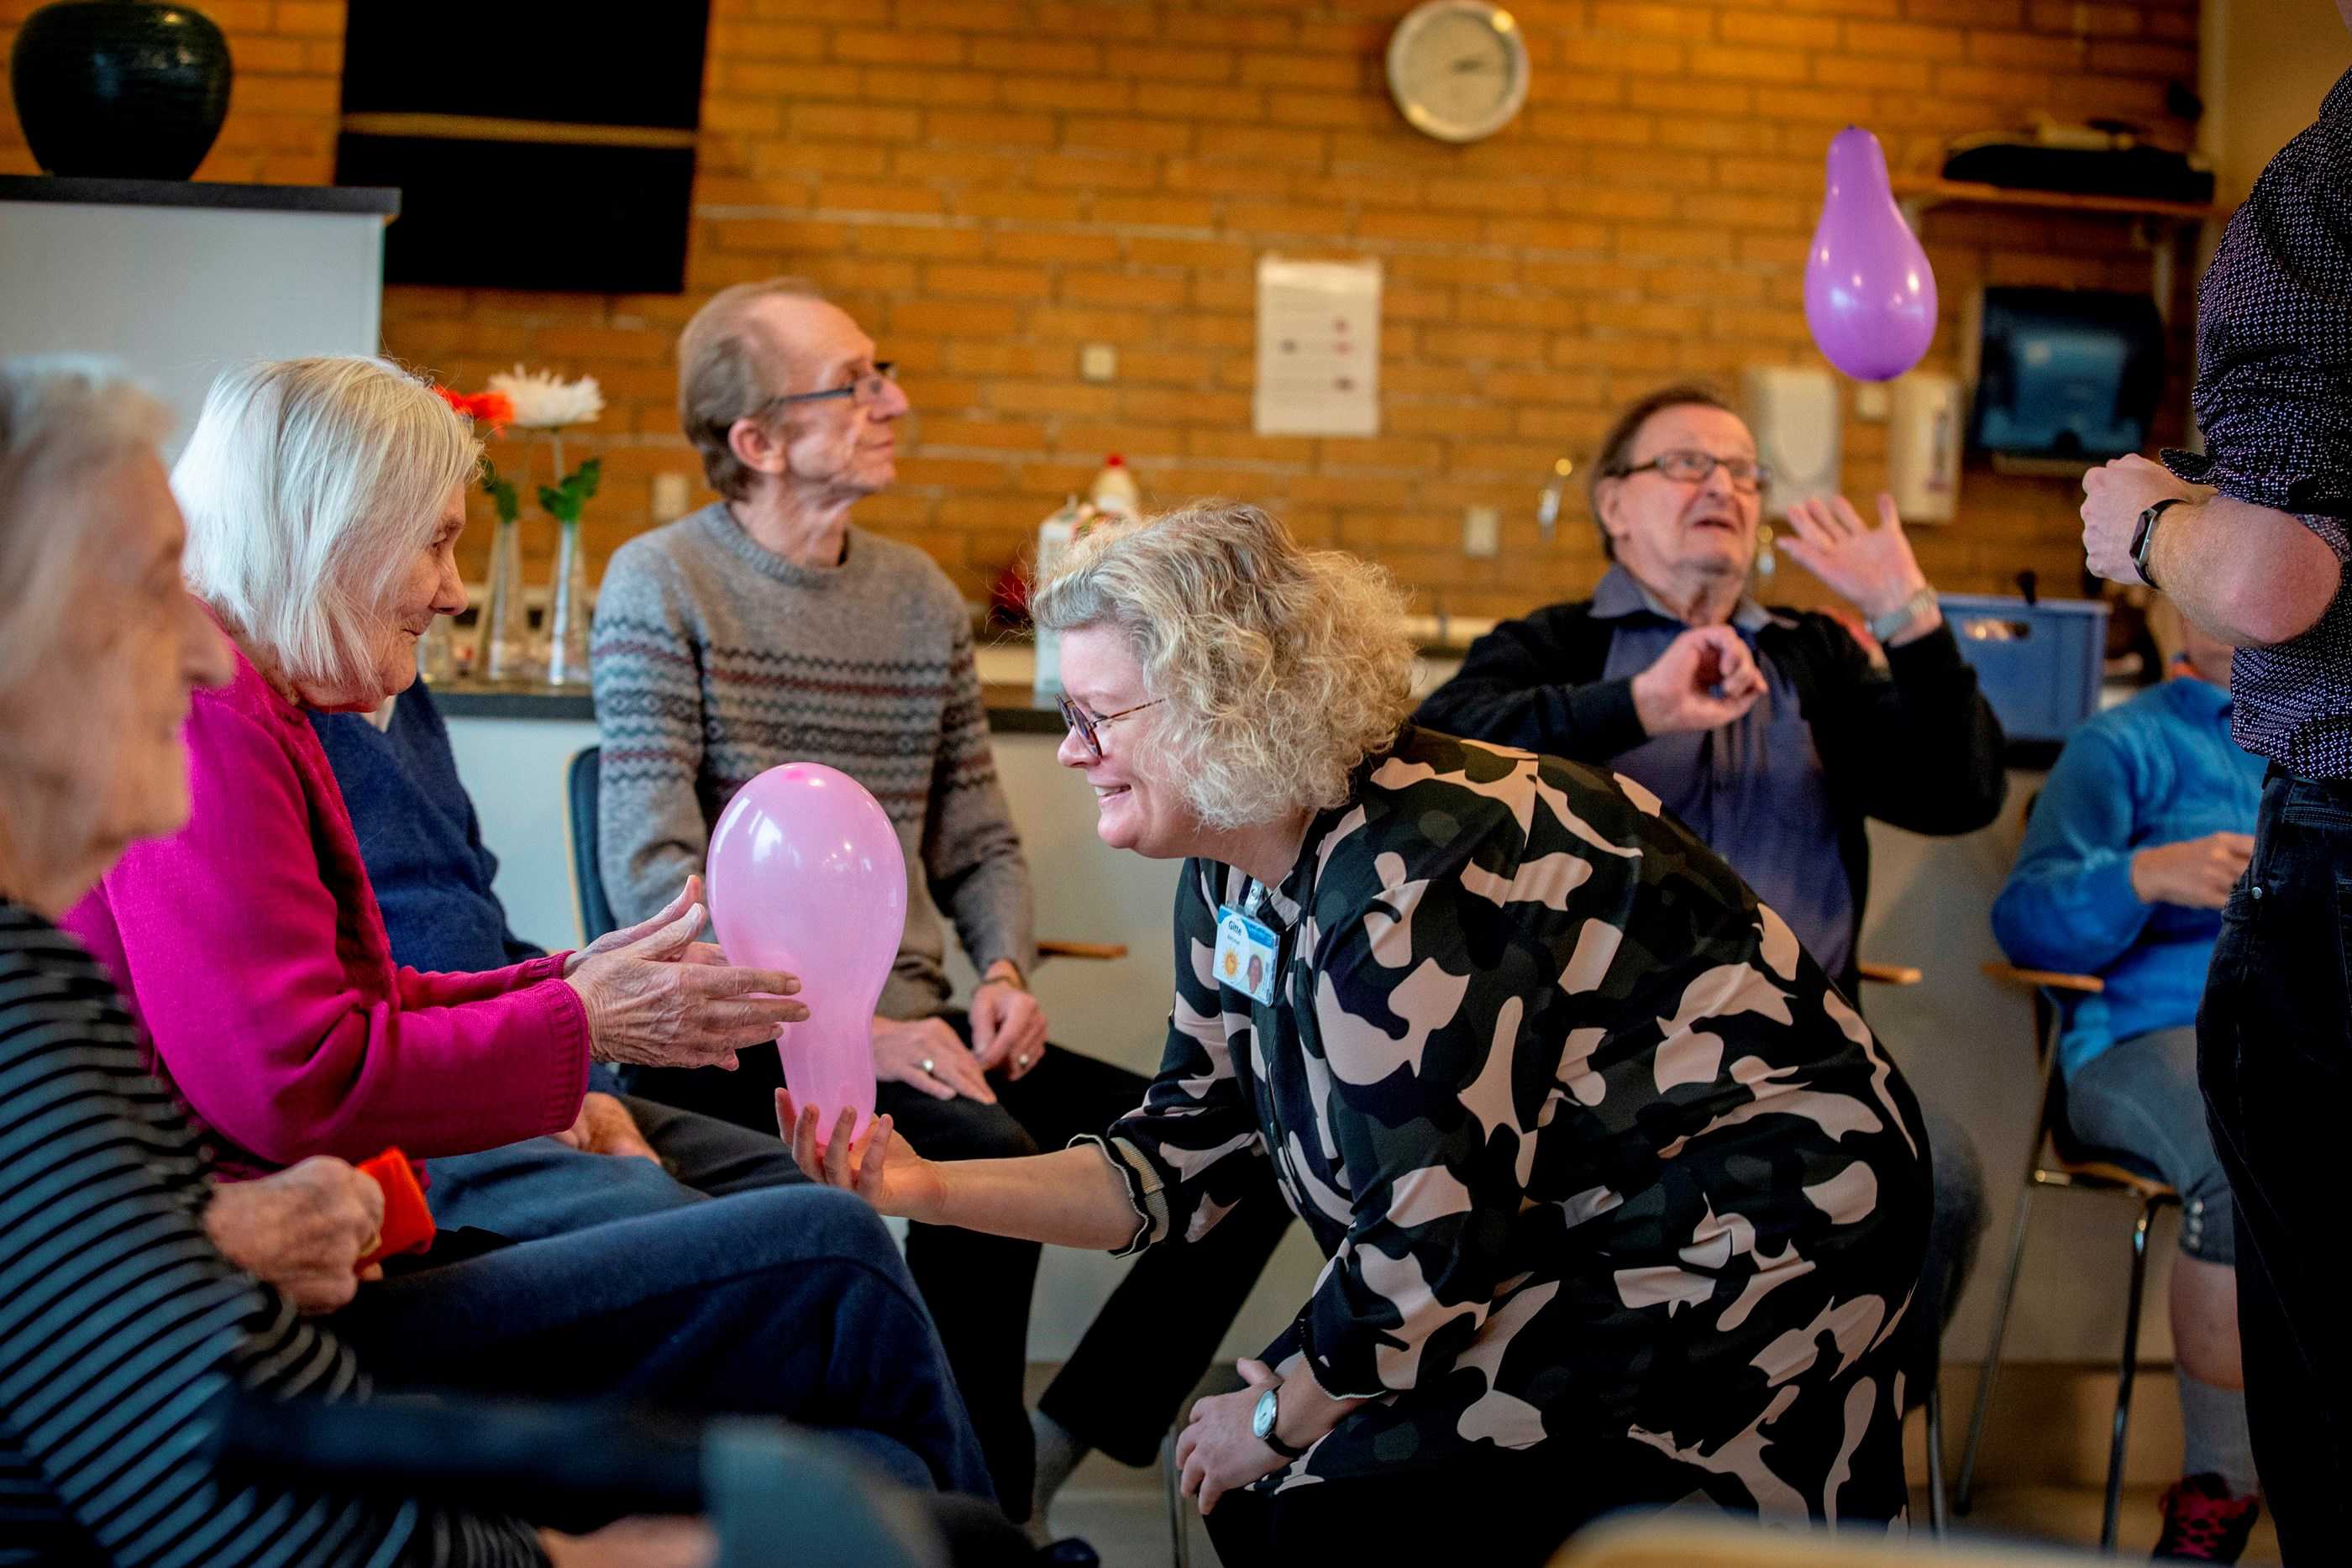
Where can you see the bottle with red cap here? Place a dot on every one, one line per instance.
(1114, 493)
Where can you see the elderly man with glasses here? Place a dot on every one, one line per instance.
(770, 628)
(1774, 734)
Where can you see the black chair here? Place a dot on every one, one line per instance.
(581, 784)
(2059, 1159)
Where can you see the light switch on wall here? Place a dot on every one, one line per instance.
(1098, 361)
(1482, 532)
(670, 496)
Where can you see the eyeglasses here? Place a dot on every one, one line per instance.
(1090, 728)
(867, 389)
(1692, 467)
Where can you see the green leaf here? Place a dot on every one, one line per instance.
(501, 492)
(565, 501)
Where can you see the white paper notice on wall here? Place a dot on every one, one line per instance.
(1318, 347)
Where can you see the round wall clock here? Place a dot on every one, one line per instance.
(1458, 69)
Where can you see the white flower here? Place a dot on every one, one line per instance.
(546, 401)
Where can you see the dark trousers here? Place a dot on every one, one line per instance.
(789, 1302)
(1148, 1346)
(1507, 1508)
(2272, 1038)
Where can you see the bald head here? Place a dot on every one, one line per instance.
(748, 344)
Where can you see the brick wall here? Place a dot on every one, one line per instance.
(988, 184)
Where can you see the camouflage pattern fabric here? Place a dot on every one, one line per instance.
(1597, 1152)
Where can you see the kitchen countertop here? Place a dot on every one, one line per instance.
(381, 201)
(1014, 708)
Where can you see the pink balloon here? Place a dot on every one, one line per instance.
(1870, 295)
(806, 876)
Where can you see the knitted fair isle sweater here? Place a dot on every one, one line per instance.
(716, 659)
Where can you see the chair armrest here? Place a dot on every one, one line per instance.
(1096, 950)
(1888, 974)
(2047, 979)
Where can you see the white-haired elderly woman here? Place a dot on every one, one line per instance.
(134, 1289)
(1621, 1198)
(324, 498)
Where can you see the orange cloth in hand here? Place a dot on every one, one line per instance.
(407, 1222)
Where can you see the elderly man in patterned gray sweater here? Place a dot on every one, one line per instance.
(767, 628)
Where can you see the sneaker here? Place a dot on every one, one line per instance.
(2203, 1523)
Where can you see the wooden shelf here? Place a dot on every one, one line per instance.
(1923, 191)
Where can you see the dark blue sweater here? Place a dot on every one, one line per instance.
(422, 842)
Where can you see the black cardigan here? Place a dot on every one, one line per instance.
(1917, 746)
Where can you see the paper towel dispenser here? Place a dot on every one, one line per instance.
(2063, 377)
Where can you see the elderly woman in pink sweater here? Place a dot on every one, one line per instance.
(324, 499)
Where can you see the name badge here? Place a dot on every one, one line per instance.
(1245, 954)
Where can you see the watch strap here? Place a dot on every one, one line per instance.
(1882, 627)
(1262, 1426)
(2143, 544)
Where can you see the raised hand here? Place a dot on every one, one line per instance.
(1872, 569)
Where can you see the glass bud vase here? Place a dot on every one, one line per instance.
(567, 631)
(504, 650)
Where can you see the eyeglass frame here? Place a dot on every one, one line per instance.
(1088, 728)
(1763, 471)
(883, 371)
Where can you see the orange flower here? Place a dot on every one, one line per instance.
(491, 408)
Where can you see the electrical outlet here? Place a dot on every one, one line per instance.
(1482, 532)
(1870, 399)
(670, 496)
(1097, 362)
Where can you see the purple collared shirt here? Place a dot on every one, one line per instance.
(2273, 398)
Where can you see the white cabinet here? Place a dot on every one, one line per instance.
(178, 280)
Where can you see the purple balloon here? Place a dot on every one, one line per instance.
(806, 876)
(1870, 295)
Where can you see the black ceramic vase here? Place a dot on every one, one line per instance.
(120, 89)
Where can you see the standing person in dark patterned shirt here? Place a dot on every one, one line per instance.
(2250, 540)
(767, 629)
(1622, 1201)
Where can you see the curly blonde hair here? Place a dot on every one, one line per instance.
(1281, 668)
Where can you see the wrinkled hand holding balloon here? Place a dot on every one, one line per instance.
(806, 876)
(1870, 295)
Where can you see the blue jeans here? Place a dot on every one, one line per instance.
(539, 1187)
(2274, 1055)
(789, 1301)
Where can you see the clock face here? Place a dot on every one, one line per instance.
(1458, 69)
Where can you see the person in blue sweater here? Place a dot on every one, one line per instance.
(433, 876)
(2146, 824)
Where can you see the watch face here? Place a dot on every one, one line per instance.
(1458, 69)
(1262, 1417)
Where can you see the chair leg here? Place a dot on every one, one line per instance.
(1967, 1492)
(1939, 1513)
(2125, 1372)
(1180, 1536)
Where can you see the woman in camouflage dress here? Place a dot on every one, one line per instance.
(1621, 1198)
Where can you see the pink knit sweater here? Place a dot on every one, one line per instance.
(251, 948)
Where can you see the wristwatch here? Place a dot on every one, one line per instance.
(1885, 626)
(2143, 543)
(1262, 1419)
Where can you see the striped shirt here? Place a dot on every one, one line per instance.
(120, 1323)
